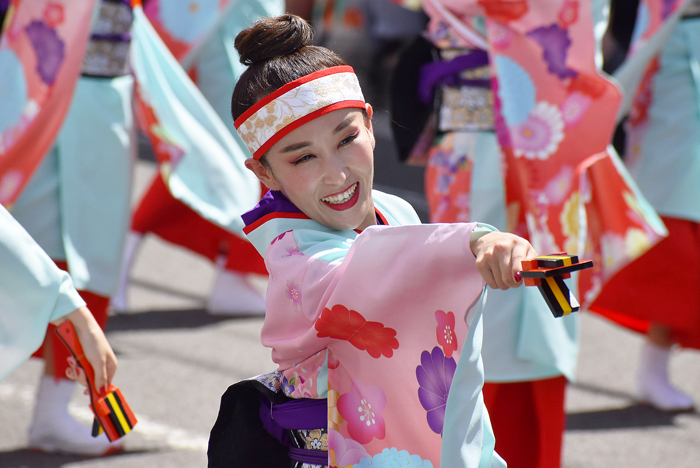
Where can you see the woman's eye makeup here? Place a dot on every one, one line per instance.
(302, 159)
(349, 139)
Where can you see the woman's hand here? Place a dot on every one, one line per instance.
(95, 346)
(499, 257)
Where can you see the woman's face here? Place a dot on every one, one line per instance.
(326, 168)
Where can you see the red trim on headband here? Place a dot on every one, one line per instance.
(299, 122)
(276, 215)
(288, 87)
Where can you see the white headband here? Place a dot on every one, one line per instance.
(297, 103)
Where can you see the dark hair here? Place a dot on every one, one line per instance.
(277, 51)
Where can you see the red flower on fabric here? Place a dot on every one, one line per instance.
(504, 11)
(445, 331)
(568, 14)
(343, 324)
(54, 14)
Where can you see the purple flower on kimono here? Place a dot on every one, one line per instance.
(49, 50)
(444, 182)
(435, 378)
(287, 385)
(554, 41)
(294, 293)
(362, 409)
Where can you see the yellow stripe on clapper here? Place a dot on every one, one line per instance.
(118, 413)
(554, 287)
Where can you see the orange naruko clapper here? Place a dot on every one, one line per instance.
(112, 414)
(547, 273)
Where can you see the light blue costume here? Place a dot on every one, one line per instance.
(33, 292)
(76, 205)
(667, 164)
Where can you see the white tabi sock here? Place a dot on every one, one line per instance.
(653, 384)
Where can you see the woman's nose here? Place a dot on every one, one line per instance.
(336, 170)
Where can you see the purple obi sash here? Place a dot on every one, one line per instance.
(298, 414)
(440, 73)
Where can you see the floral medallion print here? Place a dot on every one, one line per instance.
(343, 324)
(554, 42)
(540, 134)
(49, 50)
(568, 13)
(294, 293)
(394, 458)
(361, 408)
(10, 182)
(344, 452)
(445, 331)
(316, 439)
(504, 11)
(434, 375)
(54, 14)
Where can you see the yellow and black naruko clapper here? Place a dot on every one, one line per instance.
(112, 414)
(548, 273)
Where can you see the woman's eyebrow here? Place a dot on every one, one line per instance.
(344, 124)
(295, 146)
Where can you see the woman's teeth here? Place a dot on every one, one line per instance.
(341, 198)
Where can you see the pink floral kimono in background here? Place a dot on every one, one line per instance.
(41, 53)
(381, 323)
(554, 114)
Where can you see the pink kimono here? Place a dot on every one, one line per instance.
(376, 323)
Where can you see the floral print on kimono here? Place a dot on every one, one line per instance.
(554, 115)
(374, 322)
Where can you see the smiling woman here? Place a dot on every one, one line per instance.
(372, 318)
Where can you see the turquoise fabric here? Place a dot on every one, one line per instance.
(469, 445)
(217, 62)
(76, 205)
(667, 169)
(211, 176)
(33, 292)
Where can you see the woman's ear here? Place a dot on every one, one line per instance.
(368, 122)
(263, 173)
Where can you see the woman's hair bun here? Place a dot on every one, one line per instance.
(273, 37)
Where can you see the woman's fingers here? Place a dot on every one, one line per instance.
(499, 259)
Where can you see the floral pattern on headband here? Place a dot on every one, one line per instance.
(297, 103)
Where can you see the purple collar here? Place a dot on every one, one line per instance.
(273, 202)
